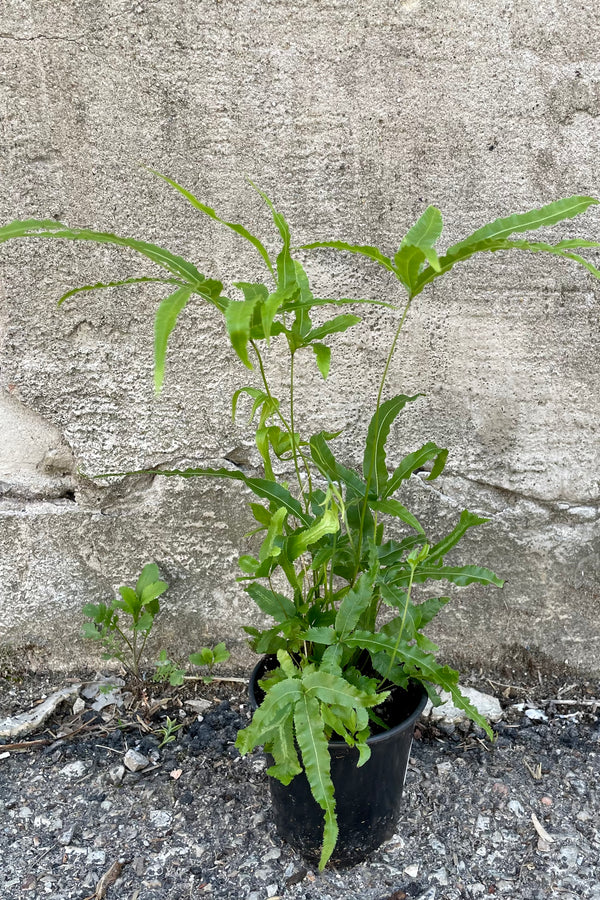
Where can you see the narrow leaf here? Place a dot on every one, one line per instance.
(459, 575)
(234, 226)
(336, 691)
(328, 465)
(328, 523)
(529, 221)
(363, 250)
(49, 228)
(323, 355)
(238, 317)
(395, 508)
(493, 237)
(320, 635)
(467, 520)
(310, 734)
(333, 326)
(374, 468)
(280, 743)
(273, 604)
(411, 463)
(100, 285)
(164, 323)
(417, 246)
(354, 604)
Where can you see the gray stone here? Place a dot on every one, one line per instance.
(75, 769)
(135, 761)
(448, 714)
(199, 706)
(67, 836)
(160, 818)
(116, 774)
(441, 876)
(25, 723)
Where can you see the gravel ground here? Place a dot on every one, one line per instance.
(195, 822)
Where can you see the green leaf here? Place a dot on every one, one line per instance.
(203, 657)
(131, 602)
(144, 623)
(428, 610)
(279, 698)
(295, 304)
(418, 246)
(333, 326)
(100, 285)
(323, 355)
(148, 575)
(234, 226)
(152, 591)
(310, 734)
(248, 564)
(97, 612)
(328, 465)
(221, 653)
(336, 691)
(252, 290)
(415, 461)
(459, 575)
(374, 468)
(89, 630)
(363, 250)
(354, 603)
(529, 221)
(269, 547)
(467, 520)
(257, 395)
(287, 283)
(331, 660)
(393, 552)
(273, 604)
(260, 513)
(238, 318)
(320, 635)
(49, 228)
(493, 237)
(280, 743)
(328, 523)
(423, 666)
(395, 508)
(278, 218)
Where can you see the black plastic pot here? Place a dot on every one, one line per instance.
(368, 798)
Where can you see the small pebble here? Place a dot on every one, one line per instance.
(74, 770)
(135, 761)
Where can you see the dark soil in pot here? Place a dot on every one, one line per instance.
(368, 799)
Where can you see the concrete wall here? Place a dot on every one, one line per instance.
(354, 117)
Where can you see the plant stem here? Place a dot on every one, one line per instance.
(295, 449)
(285, 424)
(413, 566)
(376, 418)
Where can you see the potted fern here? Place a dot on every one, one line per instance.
(346, 667)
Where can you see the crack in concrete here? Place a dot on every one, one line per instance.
(551, 506)
(41, 37)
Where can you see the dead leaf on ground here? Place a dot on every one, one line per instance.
(105, 882)
(541, 830)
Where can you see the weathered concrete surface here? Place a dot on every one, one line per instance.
(353, 118)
